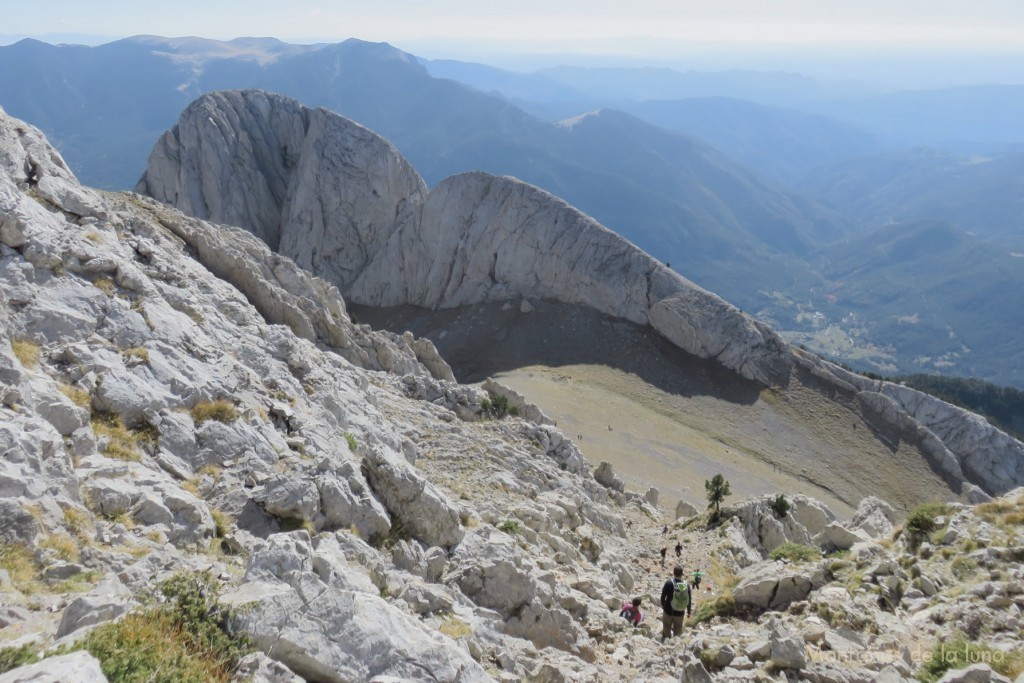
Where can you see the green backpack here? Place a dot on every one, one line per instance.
(680, 596)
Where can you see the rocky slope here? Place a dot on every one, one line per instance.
(176, 397)
(344, 204)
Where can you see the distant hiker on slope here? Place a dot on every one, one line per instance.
(664, 551)
(679, 549)
(676, 604)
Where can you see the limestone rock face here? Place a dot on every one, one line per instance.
(80, 666)
(343, 203)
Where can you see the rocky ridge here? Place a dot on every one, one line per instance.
(344, 204)
(174, 396)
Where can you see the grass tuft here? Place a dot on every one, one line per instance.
(454, 627)
(794, 552)
(27, 352)
(122, 443)
(183, 640)
(105, 285)
(63, 545)
(221, 410)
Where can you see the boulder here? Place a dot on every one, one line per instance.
(875, 517)
(685, 509)
(605, 476)
(773, 586)
(325, 634)
(80, 667)
(412, 501)
(837, 537)
(788, 650)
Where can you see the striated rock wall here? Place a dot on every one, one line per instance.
(342, 202)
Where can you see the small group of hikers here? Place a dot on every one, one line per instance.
(664, 552)
(676, 604)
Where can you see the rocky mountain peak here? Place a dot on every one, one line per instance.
(177, 400)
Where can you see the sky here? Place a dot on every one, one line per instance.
(645, 29)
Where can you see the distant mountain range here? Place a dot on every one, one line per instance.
(982, 195)
(692, 167)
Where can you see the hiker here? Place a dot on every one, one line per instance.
(676, 604)
(679, 549)
(696, 578)
(631, 612)
(664, 529)
(664, 551)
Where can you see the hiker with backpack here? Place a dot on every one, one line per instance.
(631, 612)
(676, 604)
(697, 574)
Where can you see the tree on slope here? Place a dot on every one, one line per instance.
(717, 488)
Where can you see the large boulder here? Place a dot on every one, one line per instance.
(331, 635)
(773, 585)
(80, 667)
(422, 508)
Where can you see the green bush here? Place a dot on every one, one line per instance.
(921, 520)
(794, 552)
(780, 506)
(510, 526)
(350, 438)
(497, 407)
(183, 640)
(721, 606)
(13, 657)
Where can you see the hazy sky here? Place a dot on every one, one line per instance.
(915, 43)
(551, 25)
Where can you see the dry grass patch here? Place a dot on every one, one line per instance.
(136, 354)
(79, 397)
(122, 443)
(454, 627)
(93, 237)
(221, 410)
(63, 545)
(27, 352)
(79, 523)
(105, 285)
(17, 560)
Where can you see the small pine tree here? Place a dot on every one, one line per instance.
(780, 505)
(717, 488)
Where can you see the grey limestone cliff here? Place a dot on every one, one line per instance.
(343, 203)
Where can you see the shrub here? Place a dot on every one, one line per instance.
(13, 657)
(780, 506)
(921, 520)
(183, 640)
(723, 605)
(960, 653)
(510, 526)
(221, 410)
(26, 351)
(497, 407)
(351, 439)
(794, 552)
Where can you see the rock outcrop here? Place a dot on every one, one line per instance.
(344, 204)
